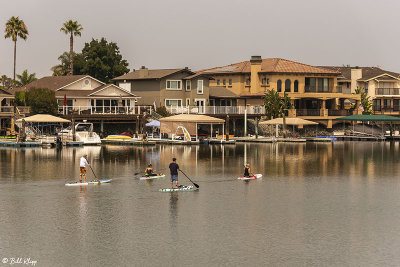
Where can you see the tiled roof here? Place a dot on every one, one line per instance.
(270, 65)
(221, 92)
(152, 74)
(367, 72)
(50, 82)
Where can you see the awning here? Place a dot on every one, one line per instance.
(193, 118)
(369, 118)
(289, 121)
(44, 118)
(154, 123)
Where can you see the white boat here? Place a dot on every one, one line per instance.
(83, 132)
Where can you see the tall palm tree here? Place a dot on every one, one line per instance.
(26, 78)
(15, 28)
(74, 29)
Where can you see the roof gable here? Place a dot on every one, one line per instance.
(84, 83)
(110, 90)
(51, 82)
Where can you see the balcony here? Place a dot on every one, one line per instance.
(217, 110)
(341, 89)
(11, 111)
(387, 91)
(395, 109)
(90, 110)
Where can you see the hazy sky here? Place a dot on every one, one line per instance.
(208, 33)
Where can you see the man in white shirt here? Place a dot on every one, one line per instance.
(83, 164)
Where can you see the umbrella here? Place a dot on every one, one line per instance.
(289, 121)
(153, 124)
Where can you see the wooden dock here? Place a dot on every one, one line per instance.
(19, 144)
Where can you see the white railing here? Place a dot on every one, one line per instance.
(216, 110)
(90, 110)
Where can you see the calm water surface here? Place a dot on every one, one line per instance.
(317, 205)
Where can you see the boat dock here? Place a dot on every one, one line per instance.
(19, 144)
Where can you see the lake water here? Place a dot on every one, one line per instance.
(327, 204)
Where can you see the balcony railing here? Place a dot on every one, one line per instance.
(217, 110)
(387, 91)
(90, 110)
(9, 110)
(340, 112)
(308, 112)
(381, 110)
(337, 89)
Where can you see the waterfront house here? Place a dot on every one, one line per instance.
(314, 90)
(166, 87)
(85, 95)
(383, 87)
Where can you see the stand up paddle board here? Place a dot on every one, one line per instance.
(180, 188)
(152, 177)
(254, 177)
(94, 182)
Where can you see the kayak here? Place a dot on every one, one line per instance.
(94, 182)
(254, 177)
(181, 188)
(152, 177)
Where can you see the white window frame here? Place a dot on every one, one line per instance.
(188, 82)
(187, 102)
(198, 87)
(170, 99)
(173, 89)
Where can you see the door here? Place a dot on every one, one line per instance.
(200, 104)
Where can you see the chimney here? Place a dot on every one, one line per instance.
(356, 74)
(255, 68)
(143, 72)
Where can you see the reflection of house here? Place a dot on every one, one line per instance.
(166, 87)
(381, 85)
(84, 95)
(313, 90)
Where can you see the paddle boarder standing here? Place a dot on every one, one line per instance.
(82, 169)
(174, 167)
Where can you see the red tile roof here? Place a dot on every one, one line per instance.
(271, 65)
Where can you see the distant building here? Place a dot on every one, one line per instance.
(314, 90)
(382, 86)
(166, 87)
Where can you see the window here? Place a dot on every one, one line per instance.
(212, 102)
(187, 102)
(60, 102)
(248, 82)
(230, 82)
(223, 82)
(173, 102)
(386, 103)
(323, 85)
(366, 87)
(310, 85)
(265, 81)
(218, 82)
(174, 85)
(279, 86)
(296, 86)
(200, 87)
(288, 84)
(188, 85)
(396, 104)
(376, 104)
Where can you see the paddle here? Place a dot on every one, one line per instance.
(196, 185)
(98, 181)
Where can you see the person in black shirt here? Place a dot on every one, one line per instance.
(247, 171)
(174, 167)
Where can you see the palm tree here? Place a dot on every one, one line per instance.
(15, 28)
(74, 29)
(26, 78)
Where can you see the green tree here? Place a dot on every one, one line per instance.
(63, 68)
(103, 60)
(20, 98)
(15, 28)
(25, 78)
(6, 83)
(366, 101)
(41, 101)
(73, 28)
(276, 106)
